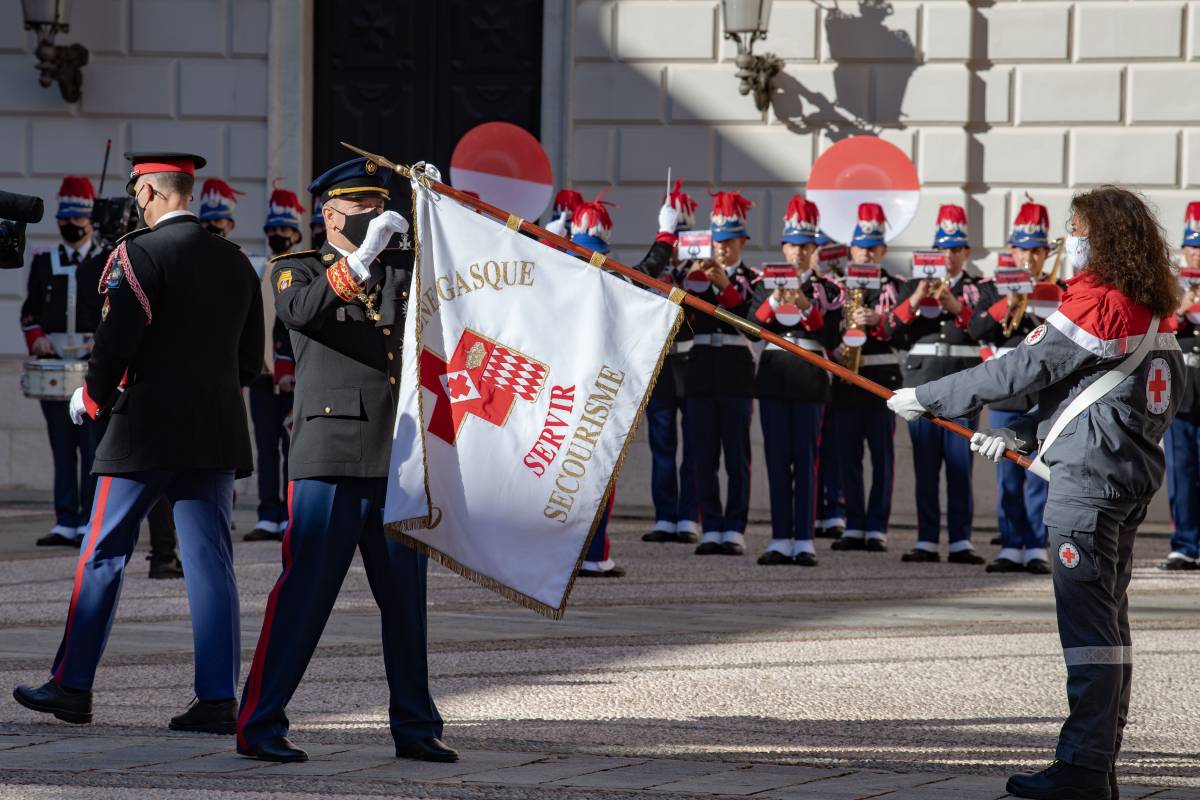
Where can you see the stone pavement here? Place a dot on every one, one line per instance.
(692, 677)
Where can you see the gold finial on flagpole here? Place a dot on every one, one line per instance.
(378, 159)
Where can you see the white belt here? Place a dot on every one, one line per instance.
(807, 344)
(720, 339)
(879, 359)
(681, 347)
(1192, 359)
(944, 350)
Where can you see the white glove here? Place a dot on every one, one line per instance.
(992, 444)
(432, 172)
(904, 403)
(668, 218)
(379, 232)
(559, 225)
(76, 409)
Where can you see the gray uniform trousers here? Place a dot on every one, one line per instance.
(1092, 552)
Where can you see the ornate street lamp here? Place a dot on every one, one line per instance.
(746, 22)
(62, 63)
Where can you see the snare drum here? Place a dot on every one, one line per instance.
(52, 378)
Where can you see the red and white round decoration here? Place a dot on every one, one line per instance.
(854, 337)
(863, 169)
(788, 315)
(1158, 386)
(1068, 555)
(1036, 335)
(929, 308)
(697, 281)
(506, 166)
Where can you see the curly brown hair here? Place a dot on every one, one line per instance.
(1128, 248)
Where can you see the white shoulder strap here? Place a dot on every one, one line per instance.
(1097, 389)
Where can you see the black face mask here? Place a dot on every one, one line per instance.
(318, 240)
(355, 226)
(215, 230)
(279, 244)
(72, 233)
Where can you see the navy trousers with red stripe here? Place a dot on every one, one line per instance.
(330, 518)
(203, 504)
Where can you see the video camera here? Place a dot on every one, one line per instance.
(16, 211)
(113, 217)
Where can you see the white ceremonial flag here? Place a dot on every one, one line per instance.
(525, 372)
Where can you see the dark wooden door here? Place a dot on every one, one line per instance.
(407, 78)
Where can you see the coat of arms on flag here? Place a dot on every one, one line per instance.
(482, 379)
(524, 373)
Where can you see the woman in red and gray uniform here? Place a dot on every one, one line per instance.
(1112, 332)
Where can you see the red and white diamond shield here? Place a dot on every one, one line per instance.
(1068, 554)
(1158, 386)
(482, 379)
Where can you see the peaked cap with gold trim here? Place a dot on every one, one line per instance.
(358, 176)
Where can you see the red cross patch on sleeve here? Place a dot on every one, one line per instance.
(1158, 386)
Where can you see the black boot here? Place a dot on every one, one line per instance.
(50, 698)
(208, 716)
(165, 568)
(274, 748)
(428, 748)
(1061, 781)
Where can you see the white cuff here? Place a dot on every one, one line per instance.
(1012, 554)
(960, 546)
(803, 546)
(733, 537)
(928, 547)
(1036, 553)
(781, 546)
(687, 526)
(664, 526)
(712, 536)
(356, 266)
(877, 535)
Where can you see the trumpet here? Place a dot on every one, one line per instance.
(851, 356)
(1017, 313)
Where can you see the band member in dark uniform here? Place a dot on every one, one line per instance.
(1109, 377)
(170, 288)
(1000, 324)
(672, 477)
(791, 392)
(344, 306)
(271, 392)
(59, 316)
(1182, 440)
(831, 500)
(859, 416)
(933, 316)
(720, 381)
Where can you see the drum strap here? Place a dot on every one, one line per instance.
(1094, 391)
(68, 270)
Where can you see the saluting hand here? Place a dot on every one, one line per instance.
(379, 232)
(668, 219)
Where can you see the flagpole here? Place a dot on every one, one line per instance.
(600, 260)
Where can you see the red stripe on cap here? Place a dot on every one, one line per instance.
(88, 549)
(185, 165)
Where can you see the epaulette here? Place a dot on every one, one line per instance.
(296, 254)
(131, 234)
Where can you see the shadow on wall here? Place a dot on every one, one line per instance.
(852, 111)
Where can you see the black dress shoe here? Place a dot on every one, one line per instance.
(774, 558)
(262, 535)
(732, 549)
(965, 557)
(997, 540)
(208, 716)
(709, 549)
(686, 537)
(659, 536)
(1061, 781)
(875, 546)
(167, 569)
(429, 748)
(615, 572)
(851, 543)
(1170, 565)
(920, 556)
(51, 698)
(804, 559)
(274, 748)
(58, 540)
(1037, 566)
(830, 533)
(1004, 565)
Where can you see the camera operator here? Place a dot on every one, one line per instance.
(58, 318)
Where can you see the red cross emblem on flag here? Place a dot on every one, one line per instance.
(482, 378)
(1068, 554)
